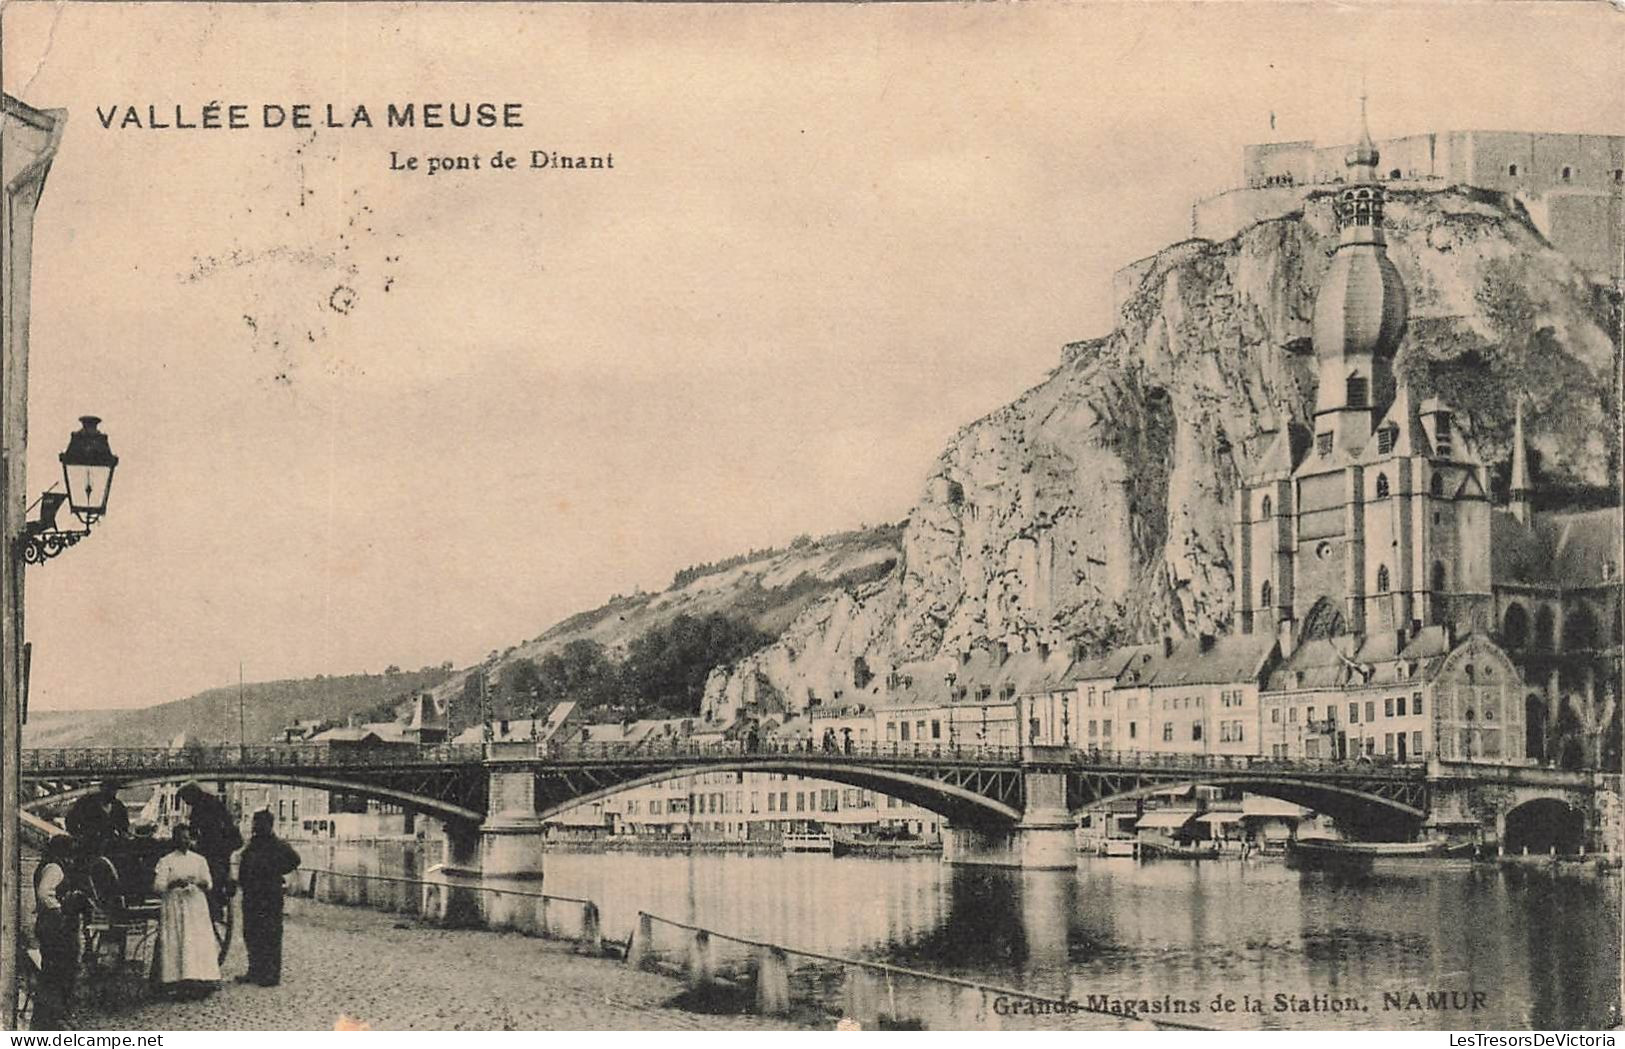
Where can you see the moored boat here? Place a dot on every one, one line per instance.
(1363, 855)
(808, 843)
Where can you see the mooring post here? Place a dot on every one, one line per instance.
(701, 970)
(772, 981)
(592, 935)
(639, 951)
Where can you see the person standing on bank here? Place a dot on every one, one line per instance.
(186, 960)
(265, 861)
(57, 910)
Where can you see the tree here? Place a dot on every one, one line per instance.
(667, 665)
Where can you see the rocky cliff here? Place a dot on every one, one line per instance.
(1097, 506)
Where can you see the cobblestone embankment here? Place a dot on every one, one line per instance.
(393, 974)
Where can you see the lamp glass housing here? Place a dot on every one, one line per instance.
(87, 470)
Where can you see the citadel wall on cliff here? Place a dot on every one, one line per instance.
(1095, 508)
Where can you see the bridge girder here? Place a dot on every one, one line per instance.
(454, 795)
(964, 794)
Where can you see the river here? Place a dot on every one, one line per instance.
(1542, 950)
(1532, 949)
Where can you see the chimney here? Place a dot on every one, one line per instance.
(1078, 652)
(964, 657)
(1002, 652)
(1416, 627)
(1167, 646)
(1043, 650)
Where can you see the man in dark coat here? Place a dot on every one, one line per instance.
(217, 838)
(265, 861)
(98, 818)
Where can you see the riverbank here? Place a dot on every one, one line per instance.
(392, 974)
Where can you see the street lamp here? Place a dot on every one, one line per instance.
(87, 474)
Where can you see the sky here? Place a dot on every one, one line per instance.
(370, 416)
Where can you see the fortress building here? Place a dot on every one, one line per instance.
(1571, 186)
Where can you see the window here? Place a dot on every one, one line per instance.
(1436, 487)
(1382, 579)
(1567, 174)
(1399, 706)
(784, 801)
(1619, 175)
(1388, 743)
(1354, 713)
(293, 809)
(1106, 727)
(1388, 707)
(1416, 744)
(1092, 728)
(1385, 439)
(1196, 730)
(772, 802)
(919, 730)
(1323, 444)
(1133, 727)
(1441, 433)
(1512, 170)
(1438, 575)
(1416, 702)
(1264, 511)
(801, 802)
(281, 807)
(904, 728)
(1382, 486)
(1264, 595)
(1358, 392)
(1237, 732)
(1224, 732)
(1167, 732)
(1275, 716)
(1091, 695)
(936, 729)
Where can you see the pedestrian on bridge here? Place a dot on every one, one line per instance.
(265, 861)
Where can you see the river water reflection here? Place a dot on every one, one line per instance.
(1542, 950)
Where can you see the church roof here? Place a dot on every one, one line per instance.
(1410, 438)
(1234, 659)
(1340, 661)
(1570, 551)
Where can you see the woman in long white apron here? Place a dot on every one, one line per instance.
(186, 960)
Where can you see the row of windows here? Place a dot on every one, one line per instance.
(1393, 706)
(1230, 732)
(1567, 173)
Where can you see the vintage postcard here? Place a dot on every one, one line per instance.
(723, 517)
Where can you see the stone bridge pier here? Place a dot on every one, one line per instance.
(511, 841)
(1045, 838)
(1499, 806)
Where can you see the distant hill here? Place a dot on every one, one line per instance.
(766, 590)
(211, 717)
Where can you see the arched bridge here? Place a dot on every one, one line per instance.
(993, 790)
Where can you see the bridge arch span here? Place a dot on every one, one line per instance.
(443, 810)
(1543, 824)
(1365, 814)
(957, 804)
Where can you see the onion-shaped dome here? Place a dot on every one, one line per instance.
(1361, 305)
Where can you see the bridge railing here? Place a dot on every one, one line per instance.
(83, 760)
(292, 755)
(1117, 759)
(593, 750)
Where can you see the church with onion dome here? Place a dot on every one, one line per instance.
(1367, 545)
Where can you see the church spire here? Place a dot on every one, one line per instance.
(1520, 467)
(1362, 159)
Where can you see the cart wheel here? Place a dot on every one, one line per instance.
(102, 883)
(223, 924)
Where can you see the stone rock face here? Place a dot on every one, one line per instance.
(1096, 508)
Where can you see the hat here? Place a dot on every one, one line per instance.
(263, 820)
